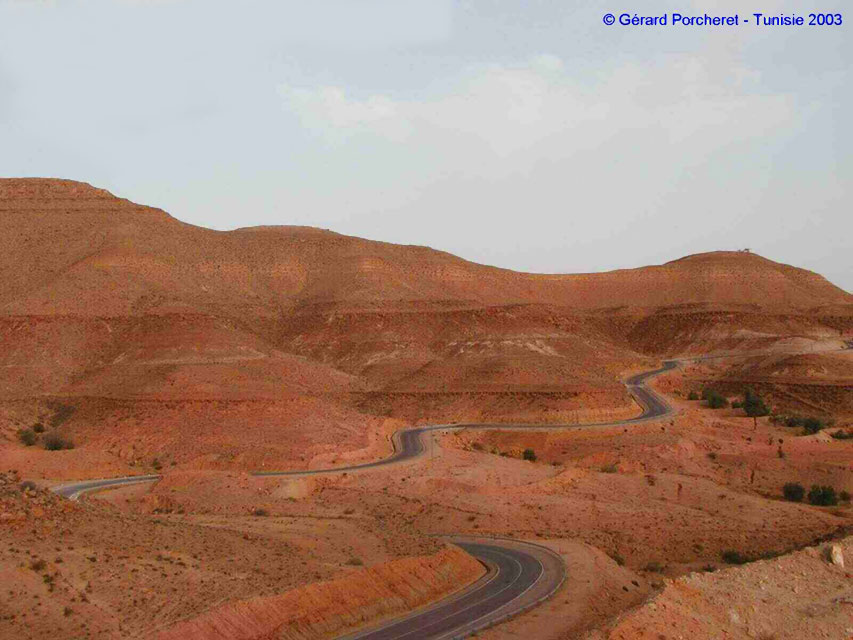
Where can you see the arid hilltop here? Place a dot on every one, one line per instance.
(157, 347)
(70, 248)
(157, 339)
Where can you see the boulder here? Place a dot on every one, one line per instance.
(834, 555)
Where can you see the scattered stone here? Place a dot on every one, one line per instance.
(834, 555)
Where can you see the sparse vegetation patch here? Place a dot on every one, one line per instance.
(754, 406)
(823, 496)
(730, 556)
(794, 492)
(27, 437)
(61, 413)
(714, 399)
(53, 441)
(809, 424)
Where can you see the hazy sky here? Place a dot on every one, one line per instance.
(521, 133)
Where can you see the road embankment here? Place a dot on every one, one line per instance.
(335, 607)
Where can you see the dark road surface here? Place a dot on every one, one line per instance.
(520, 575)
(514, 571)
(75, 490)
(408, 444)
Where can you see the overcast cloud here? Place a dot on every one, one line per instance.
(527, 135)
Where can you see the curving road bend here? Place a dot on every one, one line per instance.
(74, 490)
(520, 575)
(408, 443)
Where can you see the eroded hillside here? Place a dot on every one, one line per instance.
(278, 346)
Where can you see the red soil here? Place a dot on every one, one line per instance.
(275, 346)
(329, 609)
(158, 346)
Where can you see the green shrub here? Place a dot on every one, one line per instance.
(794, 492)
(813, 425)
(27, 437)
(823, 496)
(61, 413)
(654, 566)
(731, 556)
(844, 496)
(529, 454)
(156, 464)
(753, 405)
(693, 396)
(809, 424)
(843, 435)
(38, 427)
(716, 400)
(618, 559)
(260, 512)
(609, 468)
(55, 442)
(737, 404)
(355, 562)
(28, 485)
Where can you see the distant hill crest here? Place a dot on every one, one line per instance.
(71, 248)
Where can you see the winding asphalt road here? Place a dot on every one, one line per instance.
(409, 444)
(520, 575)
(74, 490)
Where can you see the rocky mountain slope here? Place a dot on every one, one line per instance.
(70, 248)
(274, 346)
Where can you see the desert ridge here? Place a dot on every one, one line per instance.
(134, 344)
